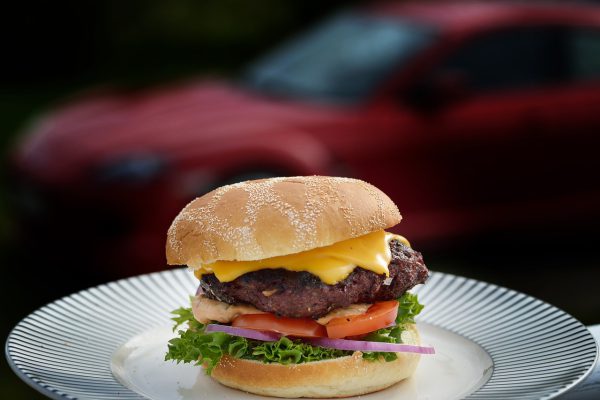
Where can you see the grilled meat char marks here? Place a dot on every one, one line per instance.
(302, 294)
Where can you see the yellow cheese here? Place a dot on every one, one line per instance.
(330, 263)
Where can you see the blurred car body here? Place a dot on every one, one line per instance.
(470, 116)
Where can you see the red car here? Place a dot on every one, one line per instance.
(472, 117)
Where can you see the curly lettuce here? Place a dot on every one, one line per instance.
(194, 345)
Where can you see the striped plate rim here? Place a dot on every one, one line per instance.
(64, 349)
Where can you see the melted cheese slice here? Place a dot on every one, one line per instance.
(330, 263)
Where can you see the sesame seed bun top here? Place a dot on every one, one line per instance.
(264, 218)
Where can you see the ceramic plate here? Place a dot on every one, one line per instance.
(109, 342)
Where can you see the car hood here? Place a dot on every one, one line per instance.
(101, 128)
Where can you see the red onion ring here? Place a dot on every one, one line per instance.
(340, 344)
(360, 345)
(243, 332)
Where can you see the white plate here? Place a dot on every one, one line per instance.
(491, 342)
(458, 368)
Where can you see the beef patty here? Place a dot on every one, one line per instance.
(302, 294)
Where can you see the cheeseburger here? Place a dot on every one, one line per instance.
(302, 292)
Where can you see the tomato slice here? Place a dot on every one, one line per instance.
(301, 327)
(378, 316)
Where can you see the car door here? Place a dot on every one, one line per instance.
(491, 145)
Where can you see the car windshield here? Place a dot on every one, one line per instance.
(342, 61)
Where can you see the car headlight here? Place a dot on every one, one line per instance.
(135, 169)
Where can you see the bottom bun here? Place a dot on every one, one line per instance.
(340, 377)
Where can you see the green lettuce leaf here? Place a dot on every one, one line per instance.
(287, 351)
(194, 345)
(409, 308)
(184, 315)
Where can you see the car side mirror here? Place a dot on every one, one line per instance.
(437, 92)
